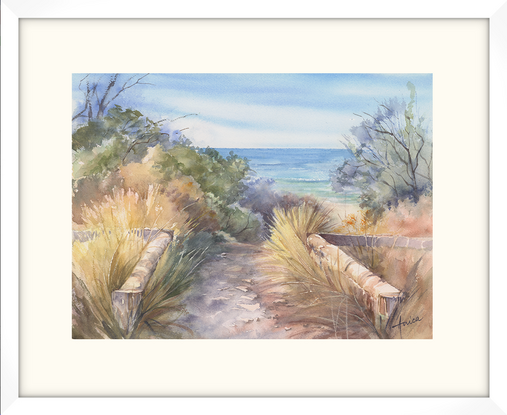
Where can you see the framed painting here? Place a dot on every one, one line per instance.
(255, 347)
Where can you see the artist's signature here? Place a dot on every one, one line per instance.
(406, 323)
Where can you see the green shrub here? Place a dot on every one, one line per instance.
(392, 157)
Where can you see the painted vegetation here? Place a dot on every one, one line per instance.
(174, 238)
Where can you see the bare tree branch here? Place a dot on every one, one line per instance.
(183, 116)
(103, 101)
(102, 105)
(125, 87)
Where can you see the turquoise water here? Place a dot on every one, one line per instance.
(297, 170)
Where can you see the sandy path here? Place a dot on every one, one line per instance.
(234, 299)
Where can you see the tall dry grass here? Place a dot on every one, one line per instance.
(287, 244)
(103, 264)
(99, 267)
(124, 210)
(161, 305)
(320, 293)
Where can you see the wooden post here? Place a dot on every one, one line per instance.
(125, 304)
(126, 300)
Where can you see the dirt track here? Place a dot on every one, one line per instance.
(226, 302)
(235, 299)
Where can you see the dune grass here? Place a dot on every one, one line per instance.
(103, 264)
(287, 244)
(161, 304)
(321, 293)
(125, 210)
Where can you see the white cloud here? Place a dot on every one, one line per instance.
(264, 119)
(203, 133)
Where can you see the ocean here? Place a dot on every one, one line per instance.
(297, 170)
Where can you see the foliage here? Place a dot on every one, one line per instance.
(220, 179)
(90, 189)
(216, 175)
(262, 199)
(181, 194)
(392, 157)
(412, 220)
(177, 192)
(126, 150)
(241, 224)
(105, 144)
(407, 219)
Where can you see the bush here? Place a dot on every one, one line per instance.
(92, 189)
(122, 137)
(181, 194)
(407, 219)
(412, 220)
(221, 177)
(392, 157)
(180, 197)
(261, 199)
(126, 150)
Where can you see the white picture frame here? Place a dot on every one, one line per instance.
(12, 403)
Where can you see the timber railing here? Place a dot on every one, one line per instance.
(126, 300)
(371, 291)
(378, 241)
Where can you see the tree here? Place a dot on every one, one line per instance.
(121, 137)
(392, 157)
(97, 97)
(103, 144)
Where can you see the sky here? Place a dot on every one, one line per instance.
(262, 110)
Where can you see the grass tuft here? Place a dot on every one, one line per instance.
(104, 263)
(320, 292)
(101, 266)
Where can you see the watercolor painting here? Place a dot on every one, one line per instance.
(252, 206)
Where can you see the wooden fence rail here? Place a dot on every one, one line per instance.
(125, 301)
(373, 292)
(379, 241)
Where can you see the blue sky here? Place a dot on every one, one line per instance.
(264, 110)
